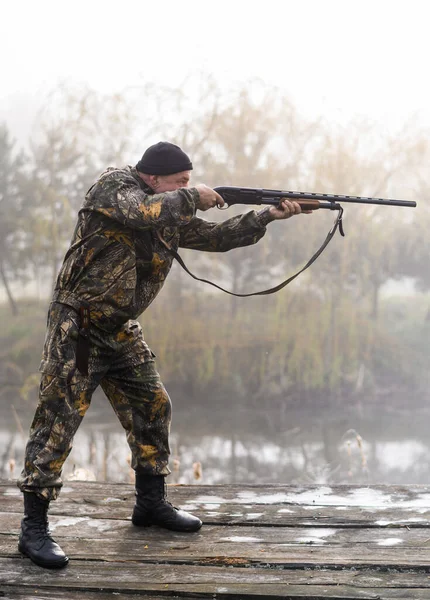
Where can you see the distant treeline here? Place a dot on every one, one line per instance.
(330, 335)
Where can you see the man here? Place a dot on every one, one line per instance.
(117, 263)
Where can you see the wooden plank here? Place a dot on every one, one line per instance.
(220, 583)
(111, 507)
(12, 593)
(287, 592)
(136, 574)
(247, 555)
(38, 593)
(41, 593)
(417, 496)
(261, 537)
(237, 514)
(225, 593)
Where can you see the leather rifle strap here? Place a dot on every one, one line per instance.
(337, 224)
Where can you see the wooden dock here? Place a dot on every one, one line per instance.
(277, 541)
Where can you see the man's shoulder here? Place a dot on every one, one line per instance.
(114, 180)
(119, 174)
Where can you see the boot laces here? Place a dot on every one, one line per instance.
(165, 497)
(41, 526)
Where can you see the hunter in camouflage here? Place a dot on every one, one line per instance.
(116, 265)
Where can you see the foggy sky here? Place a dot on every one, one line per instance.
(335, 58)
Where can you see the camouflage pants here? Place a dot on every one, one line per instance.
(124, 366)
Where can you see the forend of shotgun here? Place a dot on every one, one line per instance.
(237, 195)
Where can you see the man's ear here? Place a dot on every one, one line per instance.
(154, 181)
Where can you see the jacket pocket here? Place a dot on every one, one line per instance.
(56, 369)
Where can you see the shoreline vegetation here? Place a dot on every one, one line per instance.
(252, 361)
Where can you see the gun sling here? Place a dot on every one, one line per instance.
(337, 224)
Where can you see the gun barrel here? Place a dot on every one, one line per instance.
(337, 198)
(238, 195)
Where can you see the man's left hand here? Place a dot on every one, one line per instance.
(286, 209)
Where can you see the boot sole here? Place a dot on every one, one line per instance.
(139, 524)
(44, 563)
(163, 526)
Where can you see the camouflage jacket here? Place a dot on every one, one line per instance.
(116, 261)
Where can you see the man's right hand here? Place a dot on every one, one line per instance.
(208, 198)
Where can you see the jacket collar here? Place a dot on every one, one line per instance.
(145, 187)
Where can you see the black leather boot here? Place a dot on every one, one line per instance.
(35, 539)
(152, 508)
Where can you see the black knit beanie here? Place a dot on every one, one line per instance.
(164, 158)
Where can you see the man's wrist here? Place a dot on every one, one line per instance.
(265, 216)
(194, 196)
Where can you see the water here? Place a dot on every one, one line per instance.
(309, 445)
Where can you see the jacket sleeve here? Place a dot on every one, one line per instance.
(241, 230)
(118, 196)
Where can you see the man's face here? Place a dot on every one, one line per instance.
(170, 183)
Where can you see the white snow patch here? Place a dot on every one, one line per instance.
(321, 533)
(99, 525)
(209, 500)
(384, 523)
(249, 494)
(368, 497)
(238, 538)
(315, 536)
(308, 540)
(315, 497)
(324, 496)
(377, 498)
(190, 506)
(421, 501)
(389, 542)
(67, 522)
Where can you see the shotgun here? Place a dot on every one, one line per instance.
(307, 200)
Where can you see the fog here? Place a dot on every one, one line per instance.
(325, 381)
